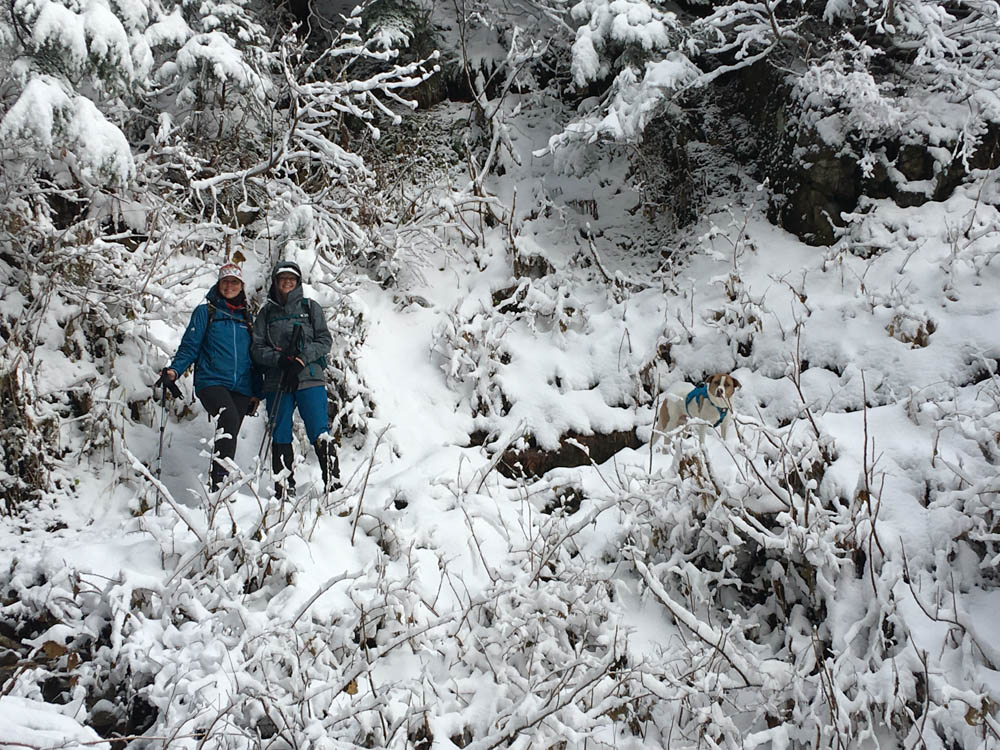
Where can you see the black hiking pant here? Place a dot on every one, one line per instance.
(230, 407)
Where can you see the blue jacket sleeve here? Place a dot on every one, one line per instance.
(192, 340)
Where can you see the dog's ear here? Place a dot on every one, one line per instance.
(736, 383)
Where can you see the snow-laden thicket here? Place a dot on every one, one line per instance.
(824, 578)
(859, 82)
(865, 71)
(151, 133)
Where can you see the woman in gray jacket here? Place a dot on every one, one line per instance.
(290, 343)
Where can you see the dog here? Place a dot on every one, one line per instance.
(710, 402)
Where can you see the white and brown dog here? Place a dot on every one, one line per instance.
(710, 402)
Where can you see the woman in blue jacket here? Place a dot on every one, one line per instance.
(217, 341)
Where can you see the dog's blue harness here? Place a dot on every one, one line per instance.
(698, 395)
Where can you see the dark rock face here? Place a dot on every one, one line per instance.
(826, 185)
(819, 193)
(987, 156)
(813, 183)
(534, 461)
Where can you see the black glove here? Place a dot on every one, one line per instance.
(290, 369)
(291, 365)
(168, 384)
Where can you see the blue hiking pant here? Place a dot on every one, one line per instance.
(311, 403)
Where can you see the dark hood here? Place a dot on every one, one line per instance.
(296, 293)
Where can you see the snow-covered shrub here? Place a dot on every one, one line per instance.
(73, 627)
(546, 305)
(143, 648)
(26, 442)
(506, 47)
(472, 353)
(666, 172)
(504, 51)
(474, 350)
(353, 398)
(740, 317)
(775, 551)
(634, 99)
(416, 208)
(397, 24)
(851, 556)
(69, 356)
(219, 656)
(426, 147)
(911, 328)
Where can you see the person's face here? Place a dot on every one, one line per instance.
(230, 287)
(286, 283)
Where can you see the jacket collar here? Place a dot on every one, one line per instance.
(216, 300)
(293, 296)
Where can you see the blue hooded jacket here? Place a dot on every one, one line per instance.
(220, 350)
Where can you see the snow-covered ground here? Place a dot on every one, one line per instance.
(829, 569)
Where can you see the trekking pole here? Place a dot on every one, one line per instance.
(166, 384)
(265, 443)
(163, 429)
(283, 388)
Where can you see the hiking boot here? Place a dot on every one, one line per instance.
(329, 465)
(282, 458)
(284, 493)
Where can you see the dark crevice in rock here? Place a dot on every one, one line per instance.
(574, 449)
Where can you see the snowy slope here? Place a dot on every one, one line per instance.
(827, 570)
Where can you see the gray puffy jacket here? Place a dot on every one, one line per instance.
(274, 328)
